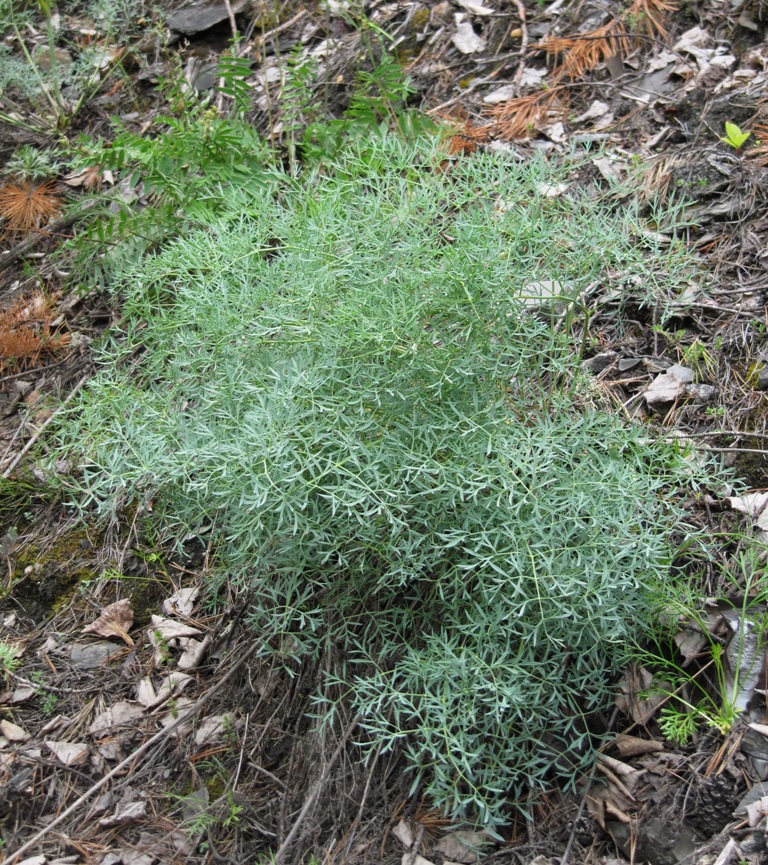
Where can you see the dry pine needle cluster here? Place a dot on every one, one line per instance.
(28, 330)
(26, 205)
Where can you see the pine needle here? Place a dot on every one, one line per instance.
(649, 16)
(27, 332)
(25, 205)
(516, 118)
(586, 51)
(465, 136)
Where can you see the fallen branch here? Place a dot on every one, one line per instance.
(163, 734)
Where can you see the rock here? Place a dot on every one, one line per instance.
(195, 19)
(601, 361)
(657, 841)
(668, 386)
(91, 656)
(758, 792)
(700, 392)
(762, 377)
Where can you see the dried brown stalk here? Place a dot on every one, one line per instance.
(25, 205)
(27, 332)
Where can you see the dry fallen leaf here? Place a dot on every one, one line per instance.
(12, 732)
(213, 728)
(633, 746)
(168, 629)
(466, 40)
(128, 812)
(124, 712)
(181, 603)
(68, 753)
(114, 621)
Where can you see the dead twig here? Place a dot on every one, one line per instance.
(30, 444)
(130, 760)
(523, 46)
(313, 793)
(583, 801)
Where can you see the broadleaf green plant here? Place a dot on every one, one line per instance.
(734, 136)
(341, 383)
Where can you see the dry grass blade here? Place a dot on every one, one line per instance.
(760, 152)
(515, 118)
(25, 205)
(27, 331)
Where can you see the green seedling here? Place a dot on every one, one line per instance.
(734, 136)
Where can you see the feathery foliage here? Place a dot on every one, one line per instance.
(341, 382)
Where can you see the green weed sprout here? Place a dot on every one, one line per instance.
(715, 701)
(345, 376)
(734, 136)
(9, 660)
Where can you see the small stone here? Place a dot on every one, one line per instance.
(35, 860)
(681, 373)
(91, 656)
(700, 392)
(668, 386)
(194, 19)
(759, 791)
(762, 378)
(601, 361)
